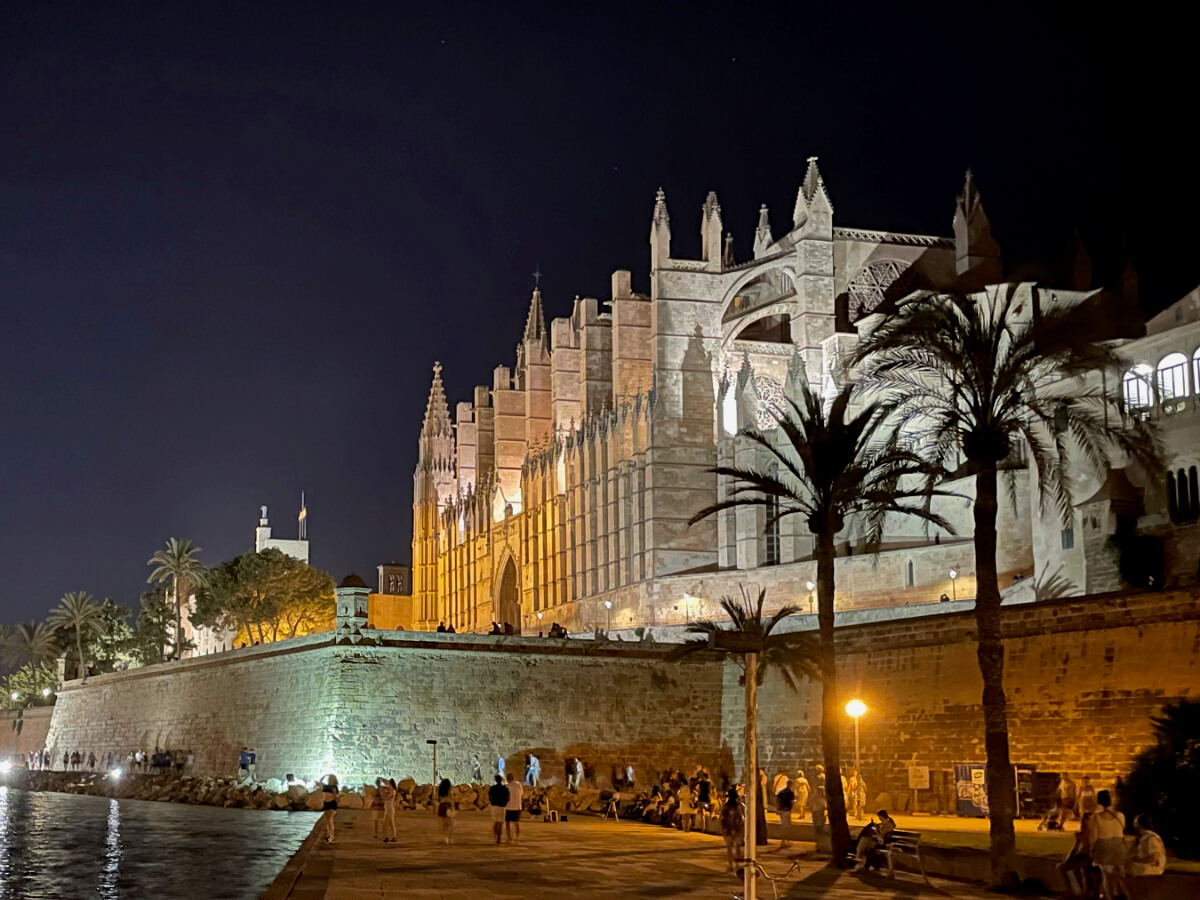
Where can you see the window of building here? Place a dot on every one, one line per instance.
(1183, 495)
(1137, 388)
(1173, 382)
(1068, 538)
(772, 523)
(911, 574)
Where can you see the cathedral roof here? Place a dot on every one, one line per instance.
(437, 413)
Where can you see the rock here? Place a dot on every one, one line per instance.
(281, 801)
(296, 793)
(273, 785)
(350, 800)
(423, 794)
(315, 801)
(407, 785)
(369, 793)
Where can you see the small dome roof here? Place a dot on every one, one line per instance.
(353, 580)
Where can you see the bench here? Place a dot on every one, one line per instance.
(903, 843)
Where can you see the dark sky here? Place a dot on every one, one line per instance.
(233, 239)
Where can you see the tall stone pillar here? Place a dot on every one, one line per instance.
(352, 607)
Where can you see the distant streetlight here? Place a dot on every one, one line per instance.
(608, 606)
(15, 695)
(810, 587)
(854, 709)
(45, 692)
(953, 588)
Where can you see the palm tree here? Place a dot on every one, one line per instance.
(177, 563)
(77, 612)
(972, 377)
(30, 643)
(832, 465)
(753, 640)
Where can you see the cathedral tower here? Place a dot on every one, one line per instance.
(434, 487)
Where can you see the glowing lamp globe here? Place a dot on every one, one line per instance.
(855, 708)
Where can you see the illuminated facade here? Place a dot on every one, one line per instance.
(562, 491)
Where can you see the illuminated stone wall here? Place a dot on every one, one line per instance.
(310, 707)
(1083, 678)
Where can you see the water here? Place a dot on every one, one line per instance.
(69, 846)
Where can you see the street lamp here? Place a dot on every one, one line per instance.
(810, 587)
(953, 588)
(15, 695)
(45, 692)
(435, 771)
(608, 606)
(854, 709)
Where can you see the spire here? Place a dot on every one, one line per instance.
(535, 322)
(660, 232)
(975, 249)
(437, 413)
(812, 201)
(710, 231)
(762, 234)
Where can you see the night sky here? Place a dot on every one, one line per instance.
(233, 241)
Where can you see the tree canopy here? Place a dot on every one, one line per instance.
(267, 596)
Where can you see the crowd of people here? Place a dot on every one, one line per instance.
(1106, 863)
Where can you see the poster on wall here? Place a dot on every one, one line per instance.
(970, 790)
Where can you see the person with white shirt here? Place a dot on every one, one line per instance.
(512, 812)
(1147, 859)
(1106, 837)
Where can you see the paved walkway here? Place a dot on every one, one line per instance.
(583, 859)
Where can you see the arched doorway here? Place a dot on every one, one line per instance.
(508, 598)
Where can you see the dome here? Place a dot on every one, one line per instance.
(353, 580)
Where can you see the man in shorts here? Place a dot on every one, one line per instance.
(498, 799)
(512, 812)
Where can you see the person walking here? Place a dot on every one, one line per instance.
(1068, 796)
(498, 800)
(533, 770)
(733, 825)
(446, 810)
(704, 798)
(512, 810)
(802, 788)
(784, 801)
(687, 812)
(329, 804)
(1106, 837)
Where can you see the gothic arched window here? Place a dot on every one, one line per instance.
(1173, 382)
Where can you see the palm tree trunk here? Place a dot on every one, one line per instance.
(1001, 786)
(830, 708)
(79, 647)
(178, 622)
(750, 776)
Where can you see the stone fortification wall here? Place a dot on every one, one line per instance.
(1083, 678)
(34, 724)
(311, 706)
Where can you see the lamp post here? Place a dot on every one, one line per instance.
(435, 771)
(953, 587)
(810, 587)
(608, 606)
(854, 709)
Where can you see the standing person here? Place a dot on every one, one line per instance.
(512, 810)
(387, 790)
(860, 795)
(500, 767)
(816, 803)
(578, 773)
(569, 771)
(329, 804)
(92, 761)
(1077, 867)
(1068, 795)
(533, 771)
(1106, 836)
(704, 798)
(733, 825)
(1087, 798)
(445, 810)
(498, 800)
(476, 771)
(1147, 859)
(802, 788)
(377, 808)
(779, 783)
(687, 812)
(784, 801)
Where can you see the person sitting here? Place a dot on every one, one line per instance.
(1147, 858)
(871, 839)
(450, 629)
(495, 628)
(441, 629)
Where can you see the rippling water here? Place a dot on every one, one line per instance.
(68, 846)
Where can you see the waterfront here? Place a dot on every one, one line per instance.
(70, 846)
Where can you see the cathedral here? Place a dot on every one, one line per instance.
(563, 489)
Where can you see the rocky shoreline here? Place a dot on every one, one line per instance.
(273, 794)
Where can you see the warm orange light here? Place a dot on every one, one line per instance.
(855, 708)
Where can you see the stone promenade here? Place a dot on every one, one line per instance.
(583, 859)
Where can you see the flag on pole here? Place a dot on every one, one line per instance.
(302, 518)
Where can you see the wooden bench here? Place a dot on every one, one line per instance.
(903, 843)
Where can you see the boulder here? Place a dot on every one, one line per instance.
(350, 800)
(274, 785)
(296, 793)
(281, 801)
(423, 795)
(315, 801)
(406, 785)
